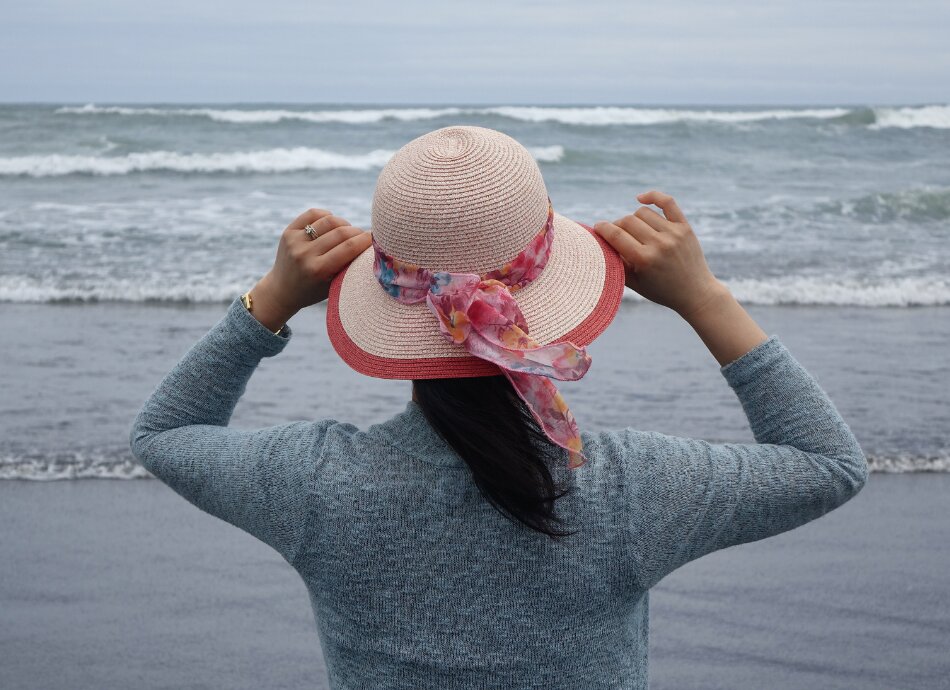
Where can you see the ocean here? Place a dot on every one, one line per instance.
(126, 230)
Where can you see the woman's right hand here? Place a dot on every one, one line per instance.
(663, 259)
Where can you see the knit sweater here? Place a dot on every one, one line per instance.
(416, 581)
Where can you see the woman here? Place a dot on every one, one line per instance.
(478, 539)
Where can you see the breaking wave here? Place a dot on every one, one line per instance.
(277, 160)
(934, 116)
(586, 115)
(831, 291)
(121, 465)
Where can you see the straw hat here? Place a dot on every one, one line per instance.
(466, 199)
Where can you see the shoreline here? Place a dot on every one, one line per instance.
(76, 377)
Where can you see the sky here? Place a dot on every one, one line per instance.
(715, 52)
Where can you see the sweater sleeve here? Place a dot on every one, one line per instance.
(256, 480)
(682, 498)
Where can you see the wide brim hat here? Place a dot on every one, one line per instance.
(467, 199)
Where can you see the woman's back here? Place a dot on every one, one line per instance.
(416, 581)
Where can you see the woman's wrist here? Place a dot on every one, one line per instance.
(268, 308)
(725, 327)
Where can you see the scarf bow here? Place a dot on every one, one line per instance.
(480, 314)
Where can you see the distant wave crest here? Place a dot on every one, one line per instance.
(934, 116)
(238, 116)
(580, 115)
(278, 160)
(608, 115)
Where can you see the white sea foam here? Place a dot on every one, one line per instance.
(814, 290)
(607, 115)
(278, 160)
(832, 291)
(935, 116)
(109, 466)
(73, 466)
(547, 154)
(587, 115)
(237, 116)
(145, 289)
(902, 464)
(825, 290)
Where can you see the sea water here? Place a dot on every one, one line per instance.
(833, 221)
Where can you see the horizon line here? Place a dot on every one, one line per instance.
(479, 104)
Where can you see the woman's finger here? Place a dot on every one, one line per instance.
(638, 228)
(321, 227)
(311, 215)
(328, 223)
(622, 241)
(652, 218)
(664, 201)
(331, 238)
(343, 253)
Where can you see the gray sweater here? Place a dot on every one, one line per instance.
(417, 582)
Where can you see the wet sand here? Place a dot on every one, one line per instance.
(107, 584)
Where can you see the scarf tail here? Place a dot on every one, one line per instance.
(538, 392)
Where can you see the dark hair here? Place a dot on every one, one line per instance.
(494, 432)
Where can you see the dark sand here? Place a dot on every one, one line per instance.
(122, 584)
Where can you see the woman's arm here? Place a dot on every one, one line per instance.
(682, 498)
(254, 479)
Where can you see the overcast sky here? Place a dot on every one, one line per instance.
(482, 51)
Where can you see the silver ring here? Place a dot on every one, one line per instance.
(311, 233)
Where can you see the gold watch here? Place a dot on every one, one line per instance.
(249, 305)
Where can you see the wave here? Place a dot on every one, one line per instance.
(607, 115)
(237, 116)
(121, 465)
(20, 289)
(79, 465)
(934, 116)
(586, 115)
(830, 291)
(919, 205)
(547, 154)
(278, 160)
(793, 290)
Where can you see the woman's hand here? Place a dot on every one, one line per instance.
(303, 268)
(662, 255)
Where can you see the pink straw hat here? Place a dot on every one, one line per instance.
(467, 199)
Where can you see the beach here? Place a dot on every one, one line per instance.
(109, 584)
(124, 584)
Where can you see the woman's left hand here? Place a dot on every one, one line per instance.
(303, 268)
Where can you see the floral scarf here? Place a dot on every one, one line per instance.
(479, 313)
